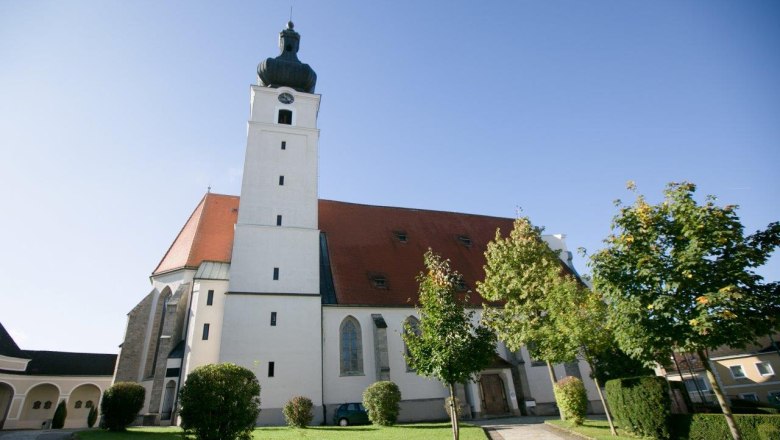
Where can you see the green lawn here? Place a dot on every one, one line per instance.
(594, 429)
(417, 431)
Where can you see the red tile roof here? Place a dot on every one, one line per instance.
(207, 235)
(363, 243)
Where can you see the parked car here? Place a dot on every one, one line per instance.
(350, 414)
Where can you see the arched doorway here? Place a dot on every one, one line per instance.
(6, 397)
(493, 395)
(39, 405)
(82, 399)
(167, 408)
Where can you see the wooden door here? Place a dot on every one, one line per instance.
(493, 395)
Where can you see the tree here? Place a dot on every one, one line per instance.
(220, 402)
(545, 307)
(382, 402)
(58, 421)
(120, 404)
(678, 276)
(446, 345)
(92, 417)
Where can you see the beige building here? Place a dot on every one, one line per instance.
(752, 373)
(32, 383)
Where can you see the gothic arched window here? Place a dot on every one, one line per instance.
(412, 325)
(350, 347)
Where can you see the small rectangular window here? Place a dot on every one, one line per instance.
(276, 273)
(281, 180)
(205, 332)
(284, 145)
(270, 369)
(278, 220)
(285, 117)
(737, 372)
(765, 369)
(273, 318)
(749, 396)
(210, 298)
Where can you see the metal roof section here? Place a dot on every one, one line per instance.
(213, 270)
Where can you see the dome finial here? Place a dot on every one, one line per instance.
(290, 24)
(286, 70)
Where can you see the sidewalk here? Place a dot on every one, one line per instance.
(522, 428)
(38, 434)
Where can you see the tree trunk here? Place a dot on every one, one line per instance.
(601, 395)
(724, 405)
(454, 414)
(554, 381)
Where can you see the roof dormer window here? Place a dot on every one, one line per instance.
(465, 240)
(379, 281)
(400, 236)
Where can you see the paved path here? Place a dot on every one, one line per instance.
(37, 434)
(522, 428)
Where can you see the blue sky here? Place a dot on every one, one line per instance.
(116, 116)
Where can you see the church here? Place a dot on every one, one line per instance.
(312, 294)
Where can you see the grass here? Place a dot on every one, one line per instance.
(416, 431)
(594, 429)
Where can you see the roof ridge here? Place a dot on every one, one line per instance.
(417, 209)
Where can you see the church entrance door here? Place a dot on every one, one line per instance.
(493, 395)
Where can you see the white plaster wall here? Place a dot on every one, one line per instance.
(198, 352)
(264, 103)
(294, 344)
(65, 385)
(341, 389)
(258, 249)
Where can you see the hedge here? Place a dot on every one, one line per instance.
(713, 426)
(641, 405)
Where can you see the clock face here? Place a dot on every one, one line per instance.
(286, 98)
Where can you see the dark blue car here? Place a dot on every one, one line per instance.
(350, 414)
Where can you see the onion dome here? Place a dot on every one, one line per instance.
(287, 70)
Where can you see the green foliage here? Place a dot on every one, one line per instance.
(58, 421)
(447, 346)
(297, 412)
(92, 417)
(522, 271)
(641, 405)
(713, 426)
(121, 404)
(572, 399)
(220, 402)
(614, 363)
(382, 401)
(679, 276)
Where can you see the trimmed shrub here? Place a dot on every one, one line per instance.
(641, 405)
(297, 412)
(58, 421)
(572, 399)
(120, 405)
(381, 400)
(220, 402)
(713, 426)
(92, 417)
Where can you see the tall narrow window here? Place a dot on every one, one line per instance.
(276, 273)
(351, 347)
(210, 298)
(273, 319)
(284, 145)
(205, 332)
(278, 220)
(270, 369)
(285, 117)
(281, 180)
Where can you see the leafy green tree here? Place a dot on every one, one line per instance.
(220, 402)
(58, 421)
(678, 276)
(614, 363)
(120, 404)
(447, 345)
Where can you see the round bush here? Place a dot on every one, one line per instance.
(220, 402)
(297, 412)
(381, 400)
(572, 399)
(121, 404)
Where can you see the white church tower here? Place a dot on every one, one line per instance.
(272, 312)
